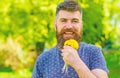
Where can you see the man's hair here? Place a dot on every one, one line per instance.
(69, 5)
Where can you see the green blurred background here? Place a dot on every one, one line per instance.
(26, 29)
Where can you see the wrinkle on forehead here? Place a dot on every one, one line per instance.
(69, 15)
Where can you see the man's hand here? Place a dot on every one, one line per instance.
(70, 55)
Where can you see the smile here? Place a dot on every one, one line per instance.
(68, 32)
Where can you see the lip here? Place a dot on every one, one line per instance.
(68, 35)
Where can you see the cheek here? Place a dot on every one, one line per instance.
(78, 28)
(58, 28)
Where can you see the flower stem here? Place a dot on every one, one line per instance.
(65, 68)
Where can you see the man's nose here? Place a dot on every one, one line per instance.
(69, 25)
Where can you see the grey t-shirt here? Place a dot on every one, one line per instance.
(50, 63)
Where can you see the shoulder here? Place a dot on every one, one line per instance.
(89, 47)
(47, 53)
(88, 51)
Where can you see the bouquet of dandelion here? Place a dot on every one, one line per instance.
(74, 44)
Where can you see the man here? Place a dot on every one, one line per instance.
(86, 62)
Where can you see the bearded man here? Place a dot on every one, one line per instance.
(85, 62)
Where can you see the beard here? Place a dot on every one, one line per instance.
(60, 39)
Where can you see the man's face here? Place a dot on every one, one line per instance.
(68, 25)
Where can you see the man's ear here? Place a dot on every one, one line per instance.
(55, 24)
(82, 23)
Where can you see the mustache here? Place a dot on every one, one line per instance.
(67, 30)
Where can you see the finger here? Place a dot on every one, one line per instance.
(65, 54)
(68, 47)
(63, 59)
(62, 54)
(63, 50)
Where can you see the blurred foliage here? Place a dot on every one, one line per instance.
(25, 73)
(13, 56)
(113, 62)
(111, 20)
(27, 28)
(92, 18)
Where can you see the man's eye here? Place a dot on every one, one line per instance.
(75, 21)
(63, 20)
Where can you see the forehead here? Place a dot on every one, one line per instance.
(68, 14)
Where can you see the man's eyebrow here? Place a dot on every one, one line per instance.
(63, 19)
(75, 19)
